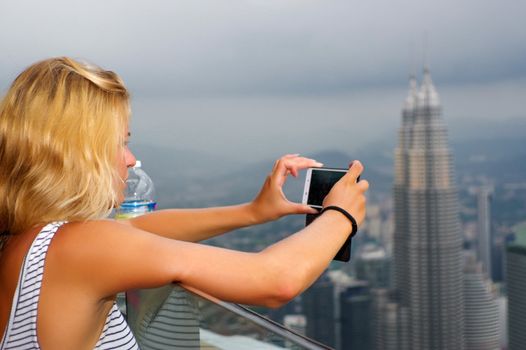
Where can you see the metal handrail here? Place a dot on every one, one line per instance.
(259, 320)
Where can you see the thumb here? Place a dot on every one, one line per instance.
(304, 209)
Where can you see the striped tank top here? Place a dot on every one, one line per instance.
(21, 330)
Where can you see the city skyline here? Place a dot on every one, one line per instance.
(442, 297)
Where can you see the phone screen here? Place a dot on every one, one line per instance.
(321, 182)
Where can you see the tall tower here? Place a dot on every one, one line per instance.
(428, 244)
(356, 312)
(481, 311)
(484, 230)
(516, 284)
(318, 304)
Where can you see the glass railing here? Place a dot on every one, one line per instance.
(178, 317)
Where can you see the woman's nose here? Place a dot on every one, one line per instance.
(130, 159)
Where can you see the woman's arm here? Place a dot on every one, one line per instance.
(195, 225)
(104, 257)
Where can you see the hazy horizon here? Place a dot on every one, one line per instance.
(269, 126)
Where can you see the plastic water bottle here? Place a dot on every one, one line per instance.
(139, 195)
(138, 200)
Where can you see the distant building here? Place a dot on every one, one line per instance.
(389, 322)
(167, 315)
(498, 257)
(502, 302)
(356, 315)
(297, 323)
(336, 308)
(318, 305)
(484, 251)
(481, 312)
(427, 239)
(291, 308)
(516, 285)
(373, 265)
(498, 252)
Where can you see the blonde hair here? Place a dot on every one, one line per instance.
(61, 125)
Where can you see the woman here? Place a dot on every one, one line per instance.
(63, 166)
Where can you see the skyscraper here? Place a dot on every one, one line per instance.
(356, 316)
(484, 230)
(322, 307)
(388, 322)
(318, 304)
(372, 265)
(516, 282)
(481, 311)
(428, 244)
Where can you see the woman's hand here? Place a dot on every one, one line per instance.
(271, 203)
(350, 194)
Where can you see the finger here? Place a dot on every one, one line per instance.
(304, 209)
(288, 158)
(315, 164)
(276, 163)
(302, 163)
(355, 170)
(292, 165)
(294, 171)
(363, 185)
(292, 155)
(280, 172)
(295, 165)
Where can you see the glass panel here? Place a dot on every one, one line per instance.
(172, 317)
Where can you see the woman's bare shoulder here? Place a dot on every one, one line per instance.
(92, 226)
(108, 256)
(97, 242)
(92, 234)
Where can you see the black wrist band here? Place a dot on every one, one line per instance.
(347, 215)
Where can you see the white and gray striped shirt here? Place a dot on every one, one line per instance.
(21, 332)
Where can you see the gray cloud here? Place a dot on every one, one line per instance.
(269, 46)
(272, 76)
(251, 127)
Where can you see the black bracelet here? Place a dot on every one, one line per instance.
(347, 215)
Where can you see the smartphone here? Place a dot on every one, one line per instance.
(318, 184)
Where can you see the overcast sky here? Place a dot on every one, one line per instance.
(271, 76)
